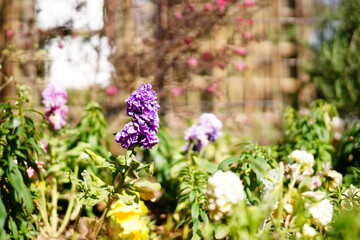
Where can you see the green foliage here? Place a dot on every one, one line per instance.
(192, 198)
(18, 151)
(348, 153)
(309, 131)
(254, 163)
(335, 67)
(92, 129)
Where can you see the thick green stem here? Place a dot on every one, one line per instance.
(71, 204)
(54, 201)
(42, 208)
(99, 224)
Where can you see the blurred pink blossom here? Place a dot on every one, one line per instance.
(249, 3)
(208, 6)
(9, 33)
(240, 66)
(44, 145)
(111, 90)
(178, 15)
(240, 51)
(31, 172)
(60, 45)
(176, 91)
(221, 4)
(192, 6)
(315, 182)
(247, 35)
(193, 62)
(213, 87)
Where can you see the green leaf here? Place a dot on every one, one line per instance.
(228, 162)
(206, 165)
(192, 196)
(180, 223)
(3, 214)
(195, 211)
(23, 192)
(204, 216)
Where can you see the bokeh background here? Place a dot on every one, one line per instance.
(243, 60)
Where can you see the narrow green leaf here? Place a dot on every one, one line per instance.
(195, 211)
(204, 216)
(228, 162)
(192, 196)
(206, 165)
(3, 214)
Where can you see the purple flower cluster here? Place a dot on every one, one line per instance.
(208, 129)
(55, 98)
(143, 108)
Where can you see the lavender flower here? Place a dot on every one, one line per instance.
(143, 108)
(54, 96)
(212, 124)
(208, 129)
(56, 110)
(142, 104)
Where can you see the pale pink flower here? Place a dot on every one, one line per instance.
(192, 6)
(208, 6)
(247, 35)
(213, 88)
(44, 145)
(240, 51)
(31, 172)
(249, 3)
(315, 182)
(178, 15)
(111, 90)
(176, 91)
(221, 4)
(193, 62)
(9, 33)
(240, 66)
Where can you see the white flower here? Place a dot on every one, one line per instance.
(305, 160)
(315, 196)
(321, 212)
(225, 190)
(334, 178)
(268, 184)
(337, 126)
(308, 232)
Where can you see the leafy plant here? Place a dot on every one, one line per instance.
(19, 151)
(309, 130)
(335, 68)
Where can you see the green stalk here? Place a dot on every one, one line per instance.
(43, 211)
(54, 201)
(71, 204)
(99, 223)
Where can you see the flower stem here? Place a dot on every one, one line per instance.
(71, 204)
(99, 223)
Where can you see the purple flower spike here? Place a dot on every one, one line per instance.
(208, 129)
(56, 110)
(54, 96)
(142, 104)
(143, 108)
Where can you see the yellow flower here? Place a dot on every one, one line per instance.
(134, 229)
(131, 219)
(122, 212)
